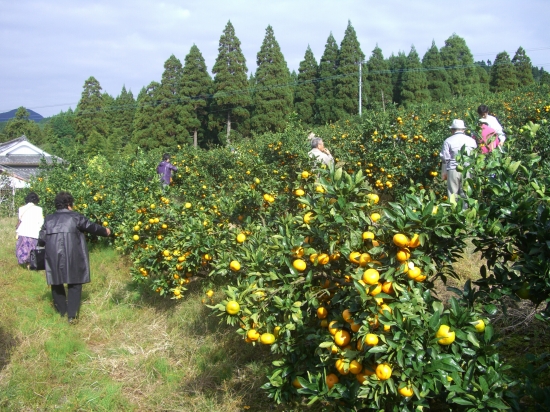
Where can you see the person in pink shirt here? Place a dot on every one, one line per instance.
(489, 137)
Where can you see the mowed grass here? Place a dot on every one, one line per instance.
(130, 352)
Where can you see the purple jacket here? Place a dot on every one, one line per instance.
(164, 170)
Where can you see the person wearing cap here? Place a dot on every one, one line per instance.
(489, 138)
(451, 147)
(492, 122)
(319, 152)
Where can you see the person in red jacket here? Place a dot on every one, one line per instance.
(67, 260)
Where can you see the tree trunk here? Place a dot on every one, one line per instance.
(195, 139)
(228, 127)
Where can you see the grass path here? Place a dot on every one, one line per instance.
(128, 353)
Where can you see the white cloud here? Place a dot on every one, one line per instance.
(49, 48)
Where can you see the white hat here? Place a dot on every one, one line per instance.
(457, 124)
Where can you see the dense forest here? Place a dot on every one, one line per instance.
(191, 106)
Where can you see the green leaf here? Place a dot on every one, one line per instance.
(491, 309)
(434, 321)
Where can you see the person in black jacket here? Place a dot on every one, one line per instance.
(67, 260)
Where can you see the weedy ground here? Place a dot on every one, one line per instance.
(135, 351)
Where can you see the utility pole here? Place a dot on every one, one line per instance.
(360, 86)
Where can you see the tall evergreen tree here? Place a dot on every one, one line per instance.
(90, 114)
(459, 63)
(145, 126)
(231, 95)
(21, 125)
(169, 107)
(195, 89)
(378, 87)
(522, 64)
(397, 66)
(95, 144)
(436, 75)
(306, 89)
(503, 74)
(326, 92)
(415, 85)
(273, 96)
(483, 75)
(347, 83)
(124, 112)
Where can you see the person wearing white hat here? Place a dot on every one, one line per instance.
(451, 147)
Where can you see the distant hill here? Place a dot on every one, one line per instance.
(4, 117)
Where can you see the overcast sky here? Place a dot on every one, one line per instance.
(49, 48)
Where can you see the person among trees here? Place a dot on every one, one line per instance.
(492, 122)
(451, 147)
(67, 260)
(31, 219)
(489, 138)
(319, 152)
(164, 170)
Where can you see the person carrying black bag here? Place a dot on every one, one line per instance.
(67, 260)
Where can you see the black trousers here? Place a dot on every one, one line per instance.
(66, 305)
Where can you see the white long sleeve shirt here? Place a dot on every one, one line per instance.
(451, 147)
(495, 125)
(32, 219)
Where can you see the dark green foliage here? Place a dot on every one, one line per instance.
(326, 93)
(347, 82)
(60, 134)
(397, 66)
(194, 90)
(306, 89)
(436, 75)
(503, 74)
(415, 86)
(540, 75)
(95, 144)
(459, 63)
(483, 75)
(21, 125)
(231, 96)
(522, 64)
(124, 110)
(169, 110)
(145, 127)
(273, 94)
(90, 113)
(378, 86)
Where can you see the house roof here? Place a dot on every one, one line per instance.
(22, 152)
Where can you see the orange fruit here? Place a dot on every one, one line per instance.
(298, 251)
(355, 367)
(373, 197)
(346, 314)
(371, 276)
(354, 257)
(299, 192)
(364, 259)
(252, 334)
(323, 259)
(332, 380)
(371, 339)
(322, 312)
(305, 174)
(414, 272)
(331, 328)
(299, 265)
(383, 371)
(232, 307)
(241, 237)
(313, 257)
(235, 266)
(384, 308)
(375, 217)
(297, 383)
(446, 337)
(400, 240)
(267, 338)
(368, 235)
(307, 217)
(339, 365)
(355, 326)
(387, 287)
(342, 337)
(403, 254)
(415, 241)
(376, 290)
(406, 391)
